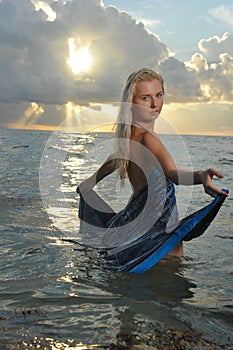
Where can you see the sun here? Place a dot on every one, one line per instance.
(80, 60)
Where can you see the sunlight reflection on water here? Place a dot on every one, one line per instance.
(52, 290)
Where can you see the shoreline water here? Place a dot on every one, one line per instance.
(53, 294)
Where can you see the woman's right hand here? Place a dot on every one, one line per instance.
(83, 187)
(86, 185)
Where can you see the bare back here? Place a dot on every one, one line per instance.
(140, 165)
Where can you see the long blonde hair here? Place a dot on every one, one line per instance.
(125, 116)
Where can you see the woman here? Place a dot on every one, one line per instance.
(139, 150)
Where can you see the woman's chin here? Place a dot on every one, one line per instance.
(155, 115)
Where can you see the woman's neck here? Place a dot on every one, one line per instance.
(144, 126)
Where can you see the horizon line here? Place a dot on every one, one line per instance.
(43, 127)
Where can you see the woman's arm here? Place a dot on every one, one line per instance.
(181, 177)
(109, 166)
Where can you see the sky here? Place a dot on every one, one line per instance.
(58, 57)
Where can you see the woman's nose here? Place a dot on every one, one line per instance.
(153, 103)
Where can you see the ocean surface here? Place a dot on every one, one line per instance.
(54, 295)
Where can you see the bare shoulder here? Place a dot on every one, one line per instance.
(150, 138)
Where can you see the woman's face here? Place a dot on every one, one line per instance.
(147, 100)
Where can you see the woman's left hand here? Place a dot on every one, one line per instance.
(206, 179)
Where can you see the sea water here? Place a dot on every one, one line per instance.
(54, 295)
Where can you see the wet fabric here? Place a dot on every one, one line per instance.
(154, 204)
(147, 251)
(146, 230)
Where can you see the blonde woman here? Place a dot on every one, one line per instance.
(139, 151)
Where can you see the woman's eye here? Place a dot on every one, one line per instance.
(145, 98)
(159, 95)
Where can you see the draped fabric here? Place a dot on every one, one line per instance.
(146, 230)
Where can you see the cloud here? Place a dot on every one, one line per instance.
(214, 46)
(46, 8)
(192, 118)
(32, 114)
(37, 81)
(215, 71)
(34, 51)
(149, 23)
(182, 84)
(32, 55)
(223, 13)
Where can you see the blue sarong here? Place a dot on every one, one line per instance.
(146, 230)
